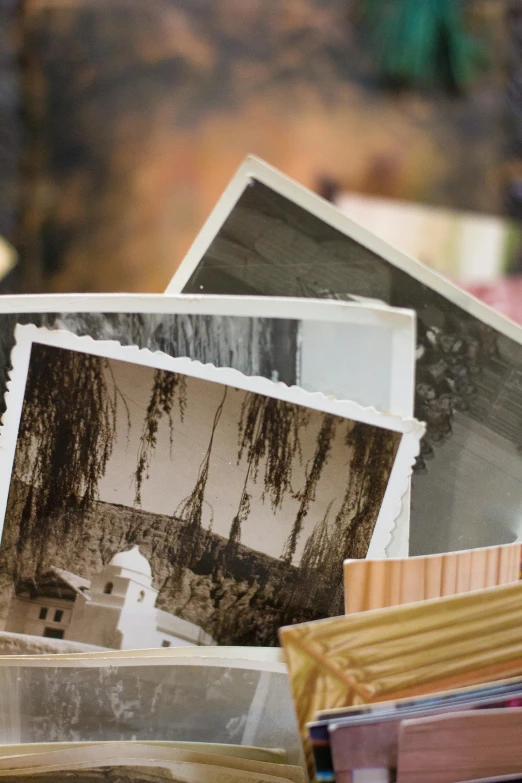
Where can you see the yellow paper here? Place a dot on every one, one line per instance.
(403, 651)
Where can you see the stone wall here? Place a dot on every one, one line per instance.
(249, 598)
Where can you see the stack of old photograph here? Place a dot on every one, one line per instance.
(264, 527)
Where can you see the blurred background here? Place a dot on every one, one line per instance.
(121, 121)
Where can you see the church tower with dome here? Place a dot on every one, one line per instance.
(127, 579)
(119, 610)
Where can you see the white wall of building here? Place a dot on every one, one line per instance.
(118, 611)
(38, 616)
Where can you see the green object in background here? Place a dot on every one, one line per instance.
(422, 42)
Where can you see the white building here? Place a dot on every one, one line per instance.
(117, 609)
(44, 607)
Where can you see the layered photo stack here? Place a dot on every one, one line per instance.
(266, 526)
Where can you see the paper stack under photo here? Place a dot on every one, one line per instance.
(135, 761)
(265, 527)
(401, 651)
(190, 697)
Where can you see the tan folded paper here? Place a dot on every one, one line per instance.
(375, 584)
(96, 754)
(403, 651)
(129, 770)
(271, 755)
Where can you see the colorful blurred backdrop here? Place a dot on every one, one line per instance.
(121, 122)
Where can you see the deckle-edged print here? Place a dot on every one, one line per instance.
(289, 341)
(156, 501)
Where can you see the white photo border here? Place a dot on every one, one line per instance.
(223, 658)
(401, 321)
(255, 169)
(398, 484)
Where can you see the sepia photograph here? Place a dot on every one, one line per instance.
(270, 236)
(153, 507)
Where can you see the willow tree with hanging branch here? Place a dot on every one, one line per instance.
(329, 545)
(374, 470)
(190, 510)
(312, 589)
(167, 387)
(65, 439)
(269, 433)
(317, 545)
(308, 494)
(243, 512)
(373, 454)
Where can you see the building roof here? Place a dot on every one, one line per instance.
(78, 583)
(132, 560)
(54, 583)
(183, 629)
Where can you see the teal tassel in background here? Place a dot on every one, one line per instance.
(422, 42)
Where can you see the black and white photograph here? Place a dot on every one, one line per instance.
(293, 342)
(144, 699)
(270, 237)
(152, 507)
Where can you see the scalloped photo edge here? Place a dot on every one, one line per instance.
(410, 428)
(194, 372)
